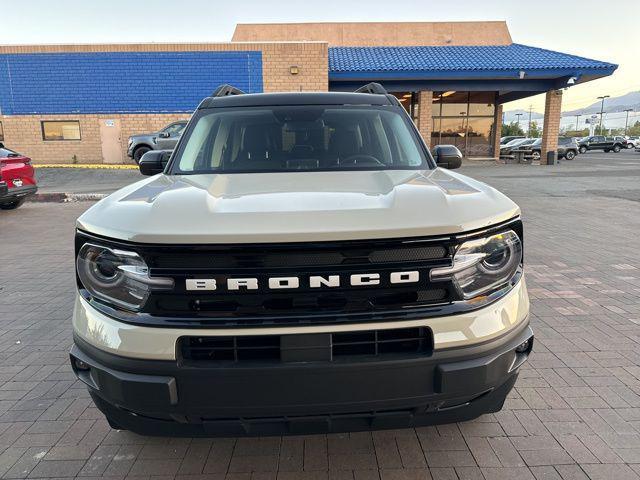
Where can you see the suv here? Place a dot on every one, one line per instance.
(17, 179)
(165, 139)
(300, 263)
(599, 142)
(567, 148)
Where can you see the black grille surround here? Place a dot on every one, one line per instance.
(300, 306)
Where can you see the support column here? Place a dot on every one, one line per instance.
(425, 120)
(497, 132)
(551, 127)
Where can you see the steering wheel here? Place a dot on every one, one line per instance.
(361, 159)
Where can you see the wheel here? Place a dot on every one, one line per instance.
(606, 150)
(535, 155)
(629, 145)
(12, 205)
(582, 149)
(616, 148)
(570, 155)
(139, 152)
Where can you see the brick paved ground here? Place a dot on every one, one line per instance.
(574, 414)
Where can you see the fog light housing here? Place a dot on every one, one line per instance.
(524, 347)
(80, 365)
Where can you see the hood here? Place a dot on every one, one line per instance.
(297, 207)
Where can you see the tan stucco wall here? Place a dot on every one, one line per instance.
(379, 33)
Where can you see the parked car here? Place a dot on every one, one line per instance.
(165, 139)
(633, 141)
(600, 142)
(18, 176)
(507, 139)
(507, 149)
(567, 148)
(342, 280)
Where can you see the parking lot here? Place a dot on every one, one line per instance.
(574, 414)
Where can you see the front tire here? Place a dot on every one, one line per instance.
(583, 149)
(139, 152)
(616, 148)
(535, 156)
(629, 146)
(570, 155)
(11, 206)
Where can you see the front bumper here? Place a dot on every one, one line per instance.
(17, 193)
(166, 398)
(163, 395)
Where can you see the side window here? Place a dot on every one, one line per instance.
(175, 129)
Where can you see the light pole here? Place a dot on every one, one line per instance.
(602, 110)
(626, 122)
(529, 127)
(519, 115)
(577, 121)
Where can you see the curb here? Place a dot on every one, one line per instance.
(97, 166)
(66, 197)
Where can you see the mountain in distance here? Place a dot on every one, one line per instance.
(611, 105)
(511, 116)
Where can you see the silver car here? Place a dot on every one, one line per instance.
(165, 139)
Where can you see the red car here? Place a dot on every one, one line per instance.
(17, 178)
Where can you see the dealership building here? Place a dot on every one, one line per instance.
(80, 103)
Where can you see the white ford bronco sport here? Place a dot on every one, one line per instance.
(301, 263)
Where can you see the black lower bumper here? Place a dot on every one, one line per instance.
(166, 398)
(13, 194)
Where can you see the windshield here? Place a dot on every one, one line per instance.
(298, 138)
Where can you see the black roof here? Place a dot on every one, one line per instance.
(302, 98)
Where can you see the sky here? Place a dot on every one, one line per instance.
(602, 30)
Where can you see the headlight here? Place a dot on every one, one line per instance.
(484, 264)
(117, 276)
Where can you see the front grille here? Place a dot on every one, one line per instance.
(303, 304)
(403, 342)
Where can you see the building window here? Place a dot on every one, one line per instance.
(1, 133)
(466, 120)
(60, 130)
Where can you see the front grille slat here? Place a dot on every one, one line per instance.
(353, 346)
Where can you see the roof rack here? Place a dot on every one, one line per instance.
(372, 87)
(226, 90)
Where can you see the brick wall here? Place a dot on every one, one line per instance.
(551, 127)
(23, 132)
(425, 115)
(312, 60)
(498, 132)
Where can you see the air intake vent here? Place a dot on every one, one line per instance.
(402, 342)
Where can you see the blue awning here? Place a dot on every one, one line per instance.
(508, 67)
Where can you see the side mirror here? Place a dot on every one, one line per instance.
(163, 135)
(154, 161)
(447, 156)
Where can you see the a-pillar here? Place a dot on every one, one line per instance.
(425, 120)
(551, 127)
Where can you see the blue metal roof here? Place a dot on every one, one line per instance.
(499, 61)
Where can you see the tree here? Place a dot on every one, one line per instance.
(534, 130)
(634, 130)
(511, 129)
